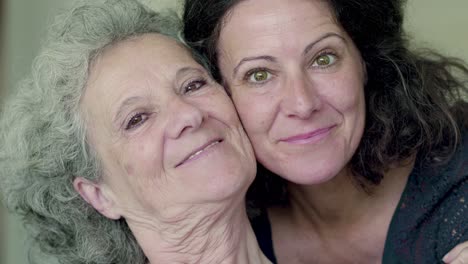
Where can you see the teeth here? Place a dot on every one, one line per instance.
(200, 151)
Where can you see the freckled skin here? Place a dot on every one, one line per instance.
(297, 98)
(152, 76)
(129, 169)
(269, 55)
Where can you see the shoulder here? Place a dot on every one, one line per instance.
(431, 216)
(458, 165)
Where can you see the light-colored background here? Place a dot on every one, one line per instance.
(433, 23)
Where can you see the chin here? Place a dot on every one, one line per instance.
(310, 178)
(304, 173)
(226, 182)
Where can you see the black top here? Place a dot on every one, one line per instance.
(262, 228)
(431, 217)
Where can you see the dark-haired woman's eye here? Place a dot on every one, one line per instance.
(258, 76)
(324, 60)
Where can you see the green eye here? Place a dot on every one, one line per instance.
(259, 76)
(324, 60)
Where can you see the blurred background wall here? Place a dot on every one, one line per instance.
(2, 221)
(433, 23)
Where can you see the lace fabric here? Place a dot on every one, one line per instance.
(432, 216)
(430, 220)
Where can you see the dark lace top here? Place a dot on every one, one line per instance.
(262, 228)
(431, 217)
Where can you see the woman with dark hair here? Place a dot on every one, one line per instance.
(361, 141)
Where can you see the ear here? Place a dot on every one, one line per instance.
(97, 196)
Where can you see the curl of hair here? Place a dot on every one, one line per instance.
(43, 136)
(416, 100)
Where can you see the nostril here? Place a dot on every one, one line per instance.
(185, 129)
(185, 117)
(303, 108)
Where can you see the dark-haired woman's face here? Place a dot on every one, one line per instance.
(297, 81)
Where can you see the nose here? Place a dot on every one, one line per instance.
(183, 117)
(300, 98)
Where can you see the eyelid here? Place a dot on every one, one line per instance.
(323, 53)
(126, 123)
(199, 79)
(250, 73)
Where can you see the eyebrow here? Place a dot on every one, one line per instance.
(244, 60)
(185, 70)
(328, 35)
(272, 59)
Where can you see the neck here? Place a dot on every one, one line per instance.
(219, 233)
(341, 203)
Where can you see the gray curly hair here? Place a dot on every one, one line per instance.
(43, 136)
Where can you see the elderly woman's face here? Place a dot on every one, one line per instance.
(297, 82)
(166, 133)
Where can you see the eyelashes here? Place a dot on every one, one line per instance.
(324, 60)
(258, 75)
(261, 75)
(194, 86)
(136, 120)
(139, 118)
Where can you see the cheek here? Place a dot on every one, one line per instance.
(129, 169)
(222, 107)
(346, 93)
(253, 112)
(144, 172)
(142, 161)
(347, 98)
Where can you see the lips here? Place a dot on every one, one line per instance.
(312, 136)
(197, 152)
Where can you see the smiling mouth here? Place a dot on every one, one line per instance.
(309, 137)
(199, 151)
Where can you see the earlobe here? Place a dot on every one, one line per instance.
(94, 194)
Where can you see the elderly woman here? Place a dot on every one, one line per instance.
(120, 148)
(368, 138)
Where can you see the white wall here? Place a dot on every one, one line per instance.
(440, 24)
(25, 23)
(435, 23)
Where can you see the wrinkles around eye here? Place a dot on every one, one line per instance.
(136, 120)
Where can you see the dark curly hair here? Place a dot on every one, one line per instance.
(415, 99)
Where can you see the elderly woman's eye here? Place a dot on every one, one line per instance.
(258, 75)
(136, 121)
(324, 60)
(194, 86)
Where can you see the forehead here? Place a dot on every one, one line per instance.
(257, 13)
(145, 49)
(262, 20)
(147, 58)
